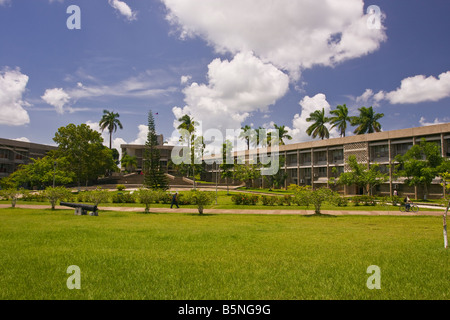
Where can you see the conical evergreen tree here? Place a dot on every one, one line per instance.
(154, 176)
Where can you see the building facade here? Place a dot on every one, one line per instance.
(138, 151)
(15, 153)
(314, 163)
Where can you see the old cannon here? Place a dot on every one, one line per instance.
(82, 209)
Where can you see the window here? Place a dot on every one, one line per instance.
(4, 154)
(378, 152)
(337, 155)
(402, 148)
(320, 156)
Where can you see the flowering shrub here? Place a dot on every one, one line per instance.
(245, 199)
(268, 200)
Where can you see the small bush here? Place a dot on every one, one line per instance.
(120, 187)
(184, 199)
(125, 197)
(268, 200)
(279, 201)
(244, 199)
(364, 200)
(166, 198)
(201, 199)
(288, 200)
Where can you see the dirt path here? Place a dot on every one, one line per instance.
(246, 211)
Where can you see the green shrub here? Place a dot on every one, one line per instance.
(165, 197)
(245, 199)
(53, 194)
(123, 197)
(268, 200)
(364, 200)
(98, 196)
(183, 199)
(201, 199)
(279, 201)
(120, 187)
(147, 197)
(33, 196)
(288, 200)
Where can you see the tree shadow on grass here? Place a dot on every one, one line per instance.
(321, 215)
(201, 215)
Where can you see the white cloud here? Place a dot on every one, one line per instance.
(123, 8)
(185, 79)
(12, 88)
(293, 35)
(140, 86)
(368, 98)
(23, 139)
(423, 121)
(142, 135)
(4, 2)
(308, 106)
(421, 89)
(57, 98)
(236, 88)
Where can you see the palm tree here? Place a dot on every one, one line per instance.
(340, 119)
(367, 121)
(246, 134)
(318, 128)
(129, 161)
(110, 121)
(261, 137)
(282, 134)
(188, 125)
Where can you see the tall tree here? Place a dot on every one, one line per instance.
(246, 134)
(420, 165)
(110, 121)
(84, 152)
(187, 128)
(154, 176)
(340, 118)
(367, 122)
(260, 137)
(319, 127)
(226, 168)
(282, 134)
(362, 176)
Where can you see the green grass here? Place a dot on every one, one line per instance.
(186, 256)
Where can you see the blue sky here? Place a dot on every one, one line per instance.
(227, 63)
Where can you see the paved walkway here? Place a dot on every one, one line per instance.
(246, 211)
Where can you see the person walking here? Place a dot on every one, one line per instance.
(174, 200)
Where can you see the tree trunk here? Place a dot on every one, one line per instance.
(200, 209)
(445, 226)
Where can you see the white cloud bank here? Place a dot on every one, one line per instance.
(12, 88)
(412, 90)
(421, 89)
(292, 35)
(423, 121)
(235, 89)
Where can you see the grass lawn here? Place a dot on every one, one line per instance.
(186, 256)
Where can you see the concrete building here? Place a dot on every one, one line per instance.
(314, 163)
(15, 153)
(138, 151)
